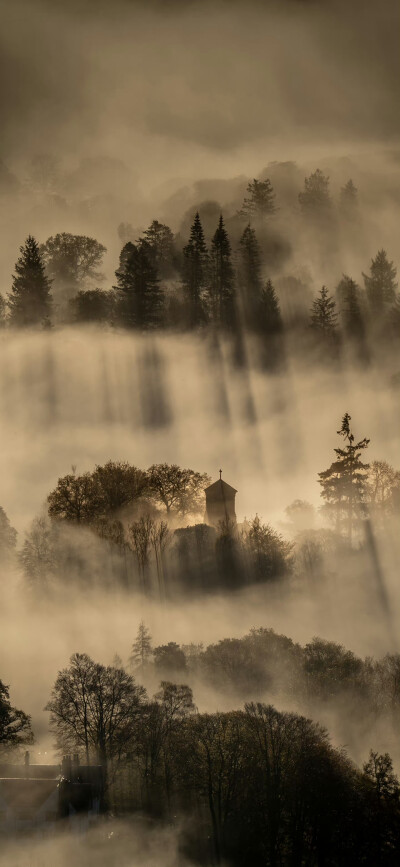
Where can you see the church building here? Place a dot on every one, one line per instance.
(220, 503)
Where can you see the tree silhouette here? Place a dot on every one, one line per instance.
(30, 301)
(323, 315)
(139, 297)
(94, 708)
(315, 200)
(75, 498)
(344, 482)
(250, 273)
(92, 305)
(140, 535)
(8, 536)
(349, 199)
(222, 278)
(72, 261)
(15, 725)
(349, 296)
(179, 490)
(161, 247)
(195, 274)
(260, 201)
(270, 315)
(381, 284)
(141, 648)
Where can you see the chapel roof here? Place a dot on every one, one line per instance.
(220, 487)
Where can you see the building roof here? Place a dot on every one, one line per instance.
(220, 488)
(34, 772)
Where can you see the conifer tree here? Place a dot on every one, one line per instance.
(195, 273)
(222, 278)
(160, 242)
(381, 284)
(323, 314)
(393, 319)
(260, 201)
(315, 200)
(3, 311)
(141, 648)
(29, 301)
(250, 273)
(344, 483)
(349, 199)
(270, 314)
(349, 295)
(139, 294)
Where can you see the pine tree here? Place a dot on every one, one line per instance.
(323, 314)
(195, 273)
(344, 483)
(250, 273)
(260, 202)
(393, 319)
(381, 285)
(161, 247)
(270, 314)
(3, 311)
(315, 200)
(349, 199)
(349, 296)
(222, 278)
(141, 648)
(29, 301)
(140, 296)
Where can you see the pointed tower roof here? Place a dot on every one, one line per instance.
(220, 487)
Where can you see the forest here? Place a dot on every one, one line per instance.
(169, 281)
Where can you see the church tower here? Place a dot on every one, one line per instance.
(220, 503)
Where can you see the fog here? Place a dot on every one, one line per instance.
(120, 843)
(81, 397)
(149, 110)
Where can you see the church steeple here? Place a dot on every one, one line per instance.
(220, 502)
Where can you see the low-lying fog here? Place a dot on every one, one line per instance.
(80, 397)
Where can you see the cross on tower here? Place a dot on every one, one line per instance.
(220, 474)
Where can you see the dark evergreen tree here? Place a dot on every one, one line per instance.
(141, 648)
(393, 319)
(160, 240)
(222, 278)
(350, 301)
(3, 312)
(250, 273)
(381, 284)
(323, 314)
(260, 201)
(349, 199)
(270, 314)
(344, 483)
(8, 536)
(29, 301)
(139, 296)
(195, 274)
(315, 200)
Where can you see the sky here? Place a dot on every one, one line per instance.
(190, 87)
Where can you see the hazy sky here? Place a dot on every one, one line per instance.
(196, 86)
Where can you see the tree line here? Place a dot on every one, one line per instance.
(162, 282)
(254, 785)
(146, 521)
